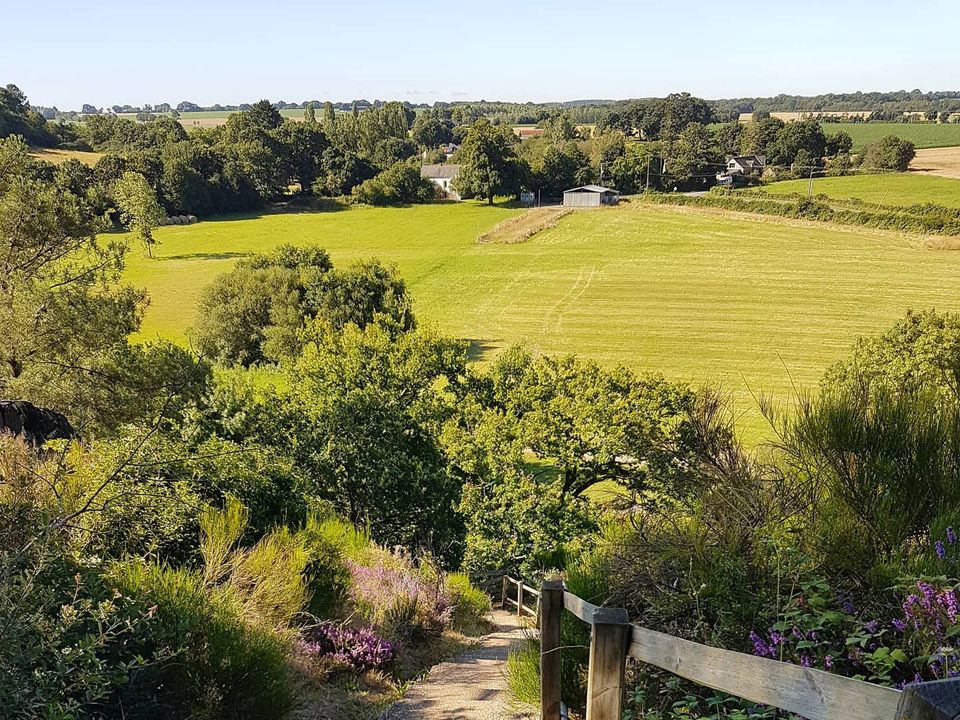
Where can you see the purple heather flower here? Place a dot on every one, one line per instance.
(898, 625)
(951, 536)
(941, 550)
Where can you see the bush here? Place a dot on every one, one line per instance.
(357, 649)
(400, 184)
(470, 604)
(224, 667)
(399, 601)
(328, 579)
(68, 642)
(890, 153)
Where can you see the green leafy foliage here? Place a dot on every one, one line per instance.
(399, 184)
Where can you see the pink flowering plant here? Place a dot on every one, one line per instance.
(342, 647)
(400, 600)
(918, 642)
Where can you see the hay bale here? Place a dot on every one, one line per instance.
(191, 219)
(183, 220)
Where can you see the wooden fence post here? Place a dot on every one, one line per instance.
(551, 608)
(609, 639)
(503, 596)
(520, 598)
(938, 700)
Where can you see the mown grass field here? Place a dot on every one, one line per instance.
(883, 189)
(57, 156)
(922, 135)
(755, 306)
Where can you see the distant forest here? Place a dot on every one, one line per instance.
(594, 110)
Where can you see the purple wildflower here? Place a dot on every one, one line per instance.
(805, 661)
(951, 536)
(828, 662)
(355, 649)
(898, 625)
(941, 550)
(872, 626)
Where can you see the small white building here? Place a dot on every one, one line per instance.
(443, 177)
(590, 196)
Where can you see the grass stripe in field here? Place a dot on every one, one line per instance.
(885, 188)
(922, 135)
(697, 297)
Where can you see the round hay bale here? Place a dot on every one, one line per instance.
(163, 221)
(191, 219)
(183, 220)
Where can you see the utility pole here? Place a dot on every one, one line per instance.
(810, 186)
(647, 188)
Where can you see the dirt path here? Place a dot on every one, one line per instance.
(471, 686)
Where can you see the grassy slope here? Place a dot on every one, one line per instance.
(922, 135)
(698, 297)
(888, 188)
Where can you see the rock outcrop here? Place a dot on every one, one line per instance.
(33, 424)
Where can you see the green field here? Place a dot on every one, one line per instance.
(884, 189)
(700, 297)
(922, 135)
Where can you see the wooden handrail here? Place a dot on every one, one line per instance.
(813, 694)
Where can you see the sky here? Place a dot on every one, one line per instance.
(105, 52)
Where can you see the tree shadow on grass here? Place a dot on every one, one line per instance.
(205, 256)
(482, 349)
(313, 206)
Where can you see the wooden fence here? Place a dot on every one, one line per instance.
(812, 694)
(516, 594)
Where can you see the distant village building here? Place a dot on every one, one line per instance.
(525, 133)
(742, 167)
(442, 176)
(590, 196)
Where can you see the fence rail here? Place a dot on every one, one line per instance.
(521, 591)
(812, 694)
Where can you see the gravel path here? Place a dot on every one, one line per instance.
(471, 686)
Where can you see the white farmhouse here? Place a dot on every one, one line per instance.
(442, 176)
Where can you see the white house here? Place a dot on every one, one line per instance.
(442, 176)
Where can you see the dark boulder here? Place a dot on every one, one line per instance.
(33, 424)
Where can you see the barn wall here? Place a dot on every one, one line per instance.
(581, 199)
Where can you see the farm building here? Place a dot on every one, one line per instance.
(590, 196)
(442, 176)
(746, 165)
(740, 168)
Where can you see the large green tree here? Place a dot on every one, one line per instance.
(65, 316)
(488, 162)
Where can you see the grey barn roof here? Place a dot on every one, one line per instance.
(440, 171)
(592, 188)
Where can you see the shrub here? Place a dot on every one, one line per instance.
(399, 601)
(328, 579)
(890, 153)
(470, 604)
(356, 649)
(224, 668)
(68, 640)
(400, 184)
